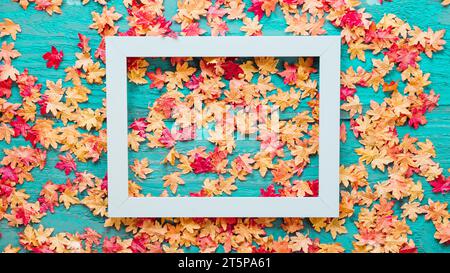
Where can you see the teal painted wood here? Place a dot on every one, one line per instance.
(40, 31)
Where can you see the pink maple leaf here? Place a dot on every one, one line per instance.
(194, 82)
(417, 118)
(8, 173)
(111, 245)
(193, 29)
(66, 163)
(185, 134)
(166, 138)
(84, 42)
(289, 74)
(139, 125)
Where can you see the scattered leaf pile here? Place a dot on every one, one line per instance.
(55, 116)
(223, 97)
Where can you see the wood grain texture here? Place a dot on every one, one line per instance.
(40, 31)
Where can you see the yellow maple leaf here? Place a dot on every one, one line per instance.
(172, 181)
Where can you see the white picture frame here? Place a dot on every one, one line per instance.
(326, 204)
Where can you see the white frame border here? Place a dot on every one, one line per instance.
(327, 48)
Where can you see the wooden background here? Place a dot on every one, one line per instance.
(40, 31)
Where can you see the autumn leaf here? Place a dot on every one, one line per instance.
(8, 27)
(140, 168)
(53, 58)
(172, 181)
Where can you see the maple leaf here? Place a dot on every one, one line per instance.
(166, 138)
(231, 70)
(298, 24)
(6, 132)
(7, 52)
(96, 204)
(140, 168)
(53, 57)
(157, 78)
(172, 181)
(300, 242)
(83, 60)
(266, 65)
(335, 227)
(10, 249)
(20, 127)
(95, 73)
(8, 27)
(7, 71)
(441, 184)
(256, 8)
(443, 230)
(353, 105)
(69, 197)
(201, 164)
(411, 210)
(66, 163)
(289, 74)
(269, 192)
(134, 140)
(84, 43)
(251, 26)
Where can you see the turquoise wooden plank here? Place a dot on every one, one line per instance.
(40, 31)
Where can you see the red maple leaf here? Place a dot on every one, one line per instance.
(53, 58)
(138, 245)
(201, 164)
(441, 184)
(66, 163)
(20, 127)
(347, 92)
(32, 136)
(314, 186)
(5, 88)
(351, 18)
(201, 193)
(408, 249)
(256, 8)
(269, 192)
(231, 70)
(157, 78)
